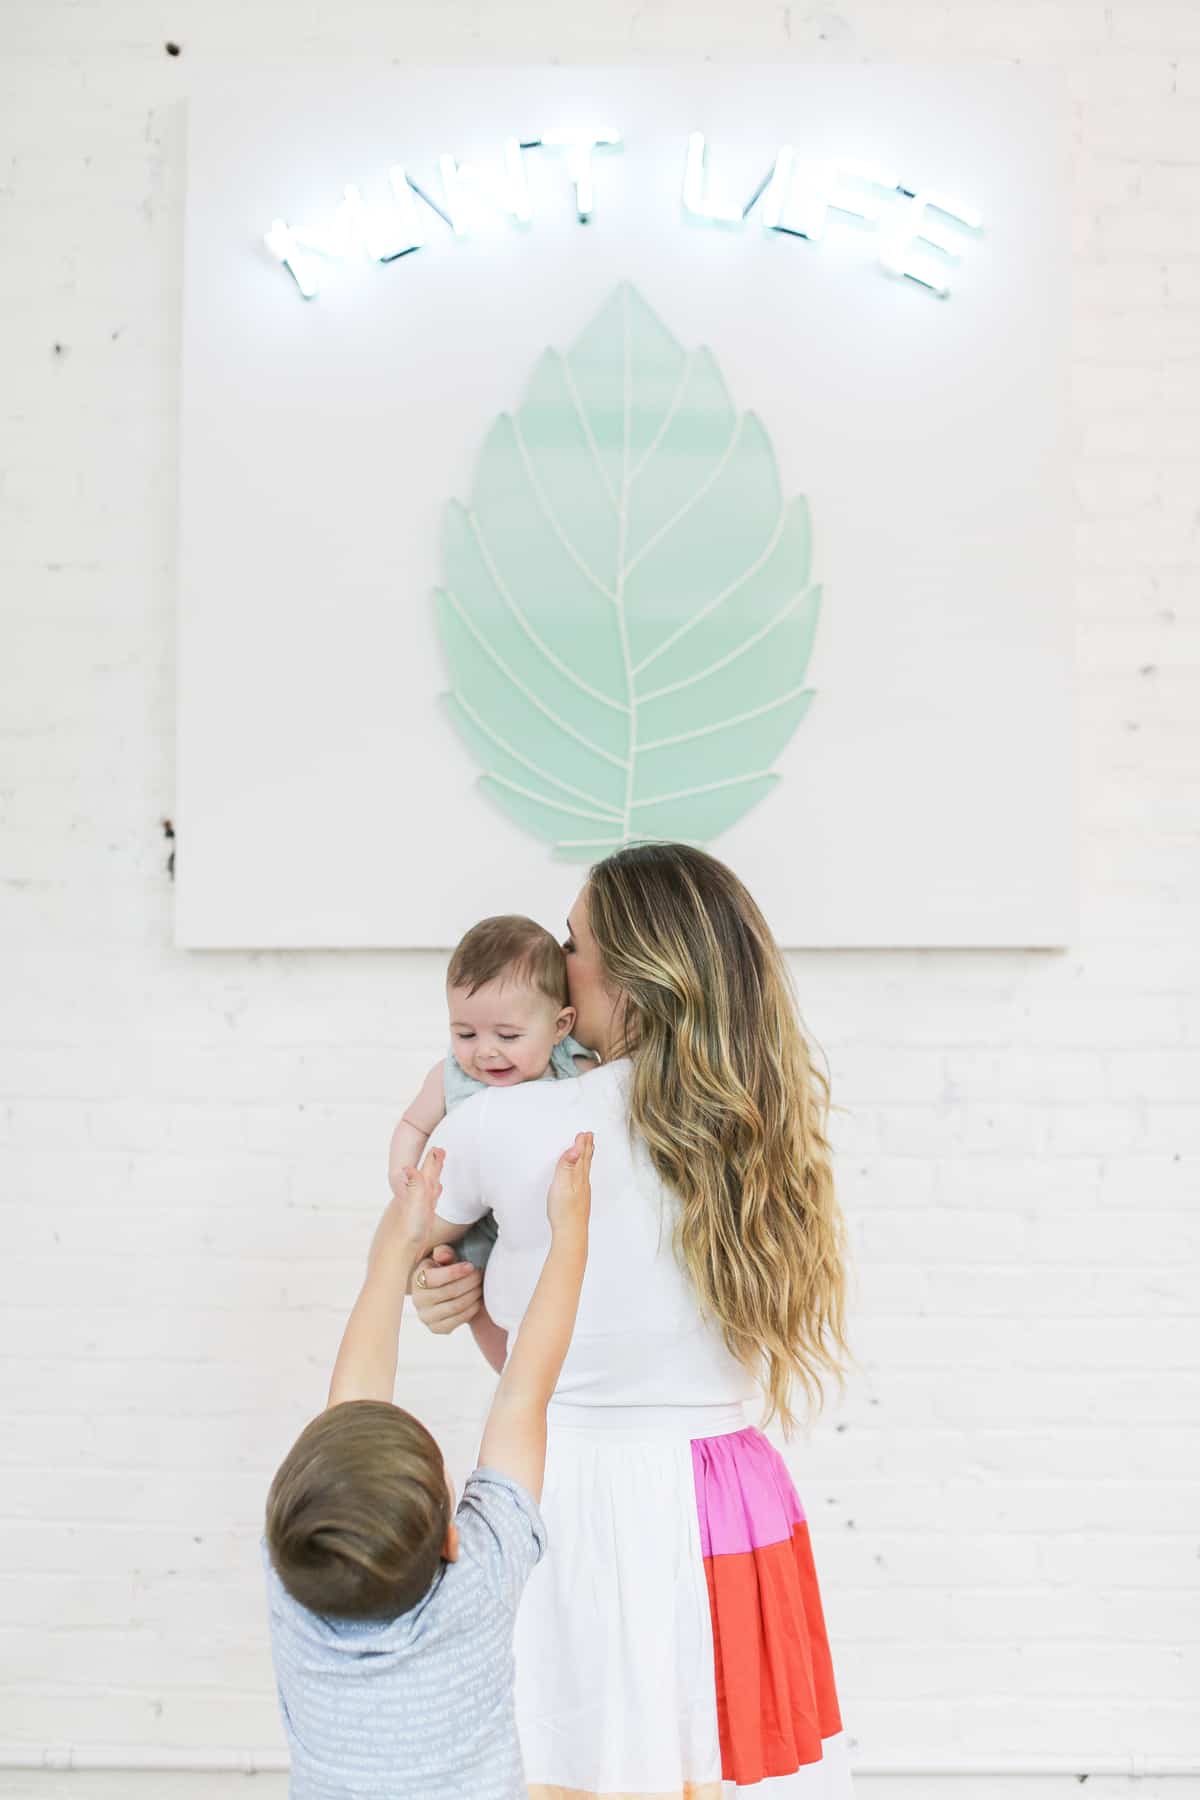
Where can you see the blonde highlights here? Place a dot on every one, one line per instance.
(727, 1098)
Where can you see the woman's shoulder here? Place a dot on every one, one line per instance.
(462, 1119)
(472, 1118)
(550, 1097)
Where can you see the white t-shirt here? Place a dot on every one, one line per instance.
(639, 1338)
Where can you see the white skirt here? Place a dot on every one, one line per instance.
(671, 1644)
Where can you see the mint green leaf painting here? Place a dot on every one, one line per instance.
(626, 610)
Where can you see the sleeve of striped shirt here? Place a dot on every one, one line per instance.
(501, 1529)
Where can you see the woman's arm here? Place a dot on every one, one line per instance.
(491, 1339)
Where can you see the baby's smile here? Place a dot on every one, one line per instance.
(503, 1032)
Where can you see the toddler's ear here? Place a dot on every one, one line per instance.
(563, 1023)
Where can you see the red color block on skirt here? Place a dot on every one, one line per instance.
(776, 1698)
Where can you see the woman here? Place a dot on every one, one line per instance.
(672, 1642)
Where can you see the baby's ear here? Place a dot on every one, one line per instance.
(563, 1023)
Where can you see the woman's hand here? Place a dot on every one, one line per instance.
(446, 1293)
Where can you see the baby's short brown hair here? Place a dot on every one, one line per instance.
(358, 1513)
(514, 946)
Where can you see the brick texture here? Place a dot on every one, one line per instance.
(1005, 1505)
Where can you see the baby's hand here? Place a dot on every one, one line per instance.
(569, 1202)
(408, 1220)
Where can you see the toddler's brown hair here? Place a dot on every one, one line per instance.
(358, 1512)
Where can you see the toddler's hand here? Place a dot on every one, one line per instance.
(408, 1220)
(569, 1201)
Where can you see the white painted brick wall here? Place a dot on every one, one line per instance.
(190, 1146)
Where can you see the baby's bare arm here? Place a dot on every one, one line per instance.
(421, 1117)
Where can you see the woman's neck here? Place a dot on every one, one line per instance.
(614, 1048)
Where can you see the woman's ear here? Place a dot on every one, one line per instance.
(450, 1547)
(563, 1023)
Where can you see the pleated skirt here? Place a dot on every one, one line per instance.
(671, 1644)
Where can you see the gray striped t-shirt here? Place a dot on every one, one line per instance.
(419, 1707)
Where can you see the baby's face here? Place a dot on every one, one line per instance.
(504, 1032)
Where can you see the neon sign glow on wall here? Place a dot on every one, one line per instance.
(921, 230)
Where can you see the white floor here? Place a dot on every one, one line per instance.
(123, 1785)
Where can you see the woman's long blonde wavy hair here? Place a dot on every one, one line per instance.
(732, 1109)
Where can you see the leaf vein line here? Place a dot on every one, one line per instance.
(693, 500)
(732, 656)
(577, 812)
(551, 518)
(569, 378)
(498, 660)
(517, 756)
(503, 590)
(652, 449)
(756, 712)
(720, 599)
(708, 787)
(631, 743)
(599, 843)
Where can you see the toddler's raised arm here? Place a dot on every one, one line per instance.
(514, 1438)
(366, 1360)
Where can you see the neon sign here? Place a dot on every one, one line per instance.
(920, 230)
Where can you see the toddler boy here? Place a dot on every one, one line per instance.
(391, 1609)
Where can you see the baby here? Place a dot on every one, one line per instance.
(510, 1022)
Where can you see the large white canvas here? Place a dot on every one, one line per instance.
(325, 799)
